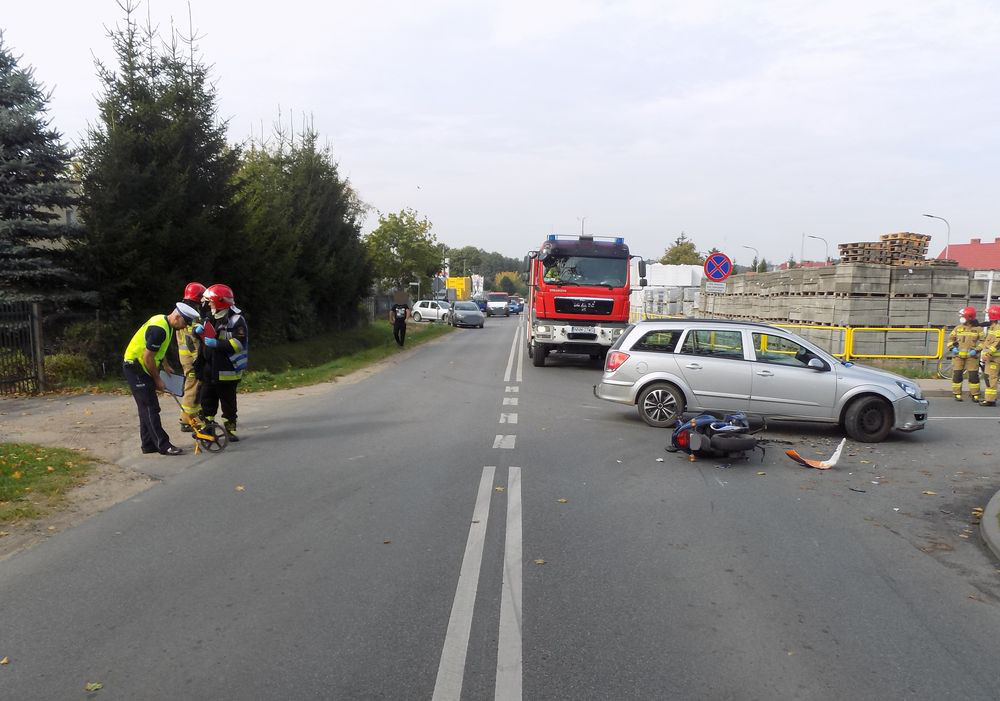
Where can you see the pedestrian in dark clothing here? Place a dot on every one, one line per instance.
(224, 359)
(397, 317)
(141, 367)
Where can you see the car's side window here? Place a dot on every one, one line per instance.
(780, 351)
(658, 341)
(714, 343)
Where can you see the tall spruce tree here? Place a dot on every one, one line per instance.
(34, 190)
(157, 174)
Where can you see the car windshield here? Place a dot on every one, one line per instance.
(467, 306)
(581, 270)
(498, 297)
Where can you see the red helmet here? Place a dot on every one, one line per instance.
(993, 313)
(968, 312)
(221, 295)
(194, 291)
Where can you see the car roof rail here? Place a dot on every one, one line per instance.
(733, 322)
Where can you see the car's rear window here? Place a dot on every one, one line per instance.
(661, 341)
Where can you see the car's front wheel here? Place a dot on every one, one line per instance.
(660, 405)
(868, 419)
(416, 316)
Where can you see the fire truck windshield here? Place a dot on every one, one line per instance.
(581, 270)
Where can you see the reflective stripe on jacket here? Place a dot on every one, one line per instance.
(966, 337)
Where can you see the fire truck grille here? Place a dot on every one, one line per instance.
(579, 305)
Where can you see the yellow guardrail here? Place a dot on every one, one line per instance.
(849, 336)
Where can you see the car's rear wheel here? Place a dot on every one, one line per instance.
(660, 405)
(416, 316)
(868, 419)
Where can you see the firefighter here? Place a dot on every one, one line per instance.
(989, 350)
(964, 342)
(188, 343)
(225, 357)
(141, 366)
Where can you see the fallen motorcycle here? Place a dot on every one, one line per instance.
(714, 436)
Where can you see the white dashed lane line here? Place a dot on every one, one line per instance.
(508, 418)
(504, 442)
(510, 401)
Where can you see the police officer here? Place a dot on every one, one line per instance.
(989, 349)
(187, 348)
(224, 357)
(964, 342)
(143, 356)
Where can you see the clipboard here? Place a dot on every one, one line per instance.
(173, 383)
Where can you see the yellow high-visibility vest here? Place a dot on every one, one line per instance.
(137, 346)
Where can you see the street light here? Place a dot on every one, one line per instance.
(947, 244)
(820, 238)
(756, 255)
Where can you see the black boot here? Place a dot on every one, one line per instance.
(231, 430)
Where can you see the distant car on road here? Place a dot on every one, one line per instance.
(516, 306)
(665, 368)
(430, 310)
(497, 304)
(466, 314)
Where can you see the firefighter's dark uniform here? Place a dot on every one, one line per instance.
(221, 368)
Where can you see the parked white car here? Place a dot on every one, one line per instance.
(430, 310)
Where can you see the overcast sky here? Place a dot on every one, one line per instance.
(738, 122)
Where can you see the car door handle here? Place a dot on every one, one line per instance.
(693, 366)
(765, 373)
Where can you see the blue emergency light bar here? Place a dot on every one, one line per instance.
(619, 240)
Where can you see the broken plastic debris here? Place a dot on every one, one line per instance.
(818, 464)
(659, 460)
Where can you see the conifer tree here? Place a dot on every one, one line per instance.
(34, 187)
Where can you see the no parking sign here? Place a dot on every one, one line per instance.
(718, 267)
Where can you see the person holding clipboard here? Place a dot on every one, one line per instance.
(141, 367)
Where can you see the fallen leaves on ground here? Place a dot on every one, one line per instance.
(539, 562)
(386, 542)
(93, 686)
(499, 489)
(761, 473)
(563, 501)
(5, 660)
(929, 493)
(240, 488)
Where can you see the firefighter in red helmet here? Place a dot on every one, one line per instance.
(989, 349)
(188, 344)
(964, 341)
(225, 357)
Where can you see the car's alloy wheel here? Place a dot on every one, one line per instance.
(660, 406)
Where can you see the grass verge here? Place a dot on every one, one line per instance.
(308, 362)
(34, 479)
(327, 357)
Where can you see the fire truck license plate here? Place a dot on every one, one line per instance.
(582, 329)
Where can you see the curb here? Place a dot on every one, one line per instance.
(990, 527)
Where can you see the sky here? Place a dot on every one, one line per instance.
(739, 123)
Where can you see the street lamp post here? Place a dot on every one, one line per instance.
(756, 255)
(820, 238)
(947, 244)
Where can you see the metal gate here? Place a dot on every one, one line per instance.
(20, 348)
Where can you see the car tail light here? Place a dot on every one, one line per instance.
(615, 360)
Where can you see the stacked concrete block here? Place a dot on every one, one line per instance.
(913, 281)
(861, 279)
(952, 282)
(909, 311)
(861, 311)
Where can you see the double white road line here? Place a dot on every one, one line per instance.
(451, 670)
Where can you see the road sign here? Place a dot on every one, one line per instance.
(985, 275)
(718, 267)
(715, 287)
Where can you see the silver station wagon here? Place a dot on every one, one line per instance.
(666, 368)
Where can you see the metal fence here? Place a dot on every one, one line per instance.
(21, 360)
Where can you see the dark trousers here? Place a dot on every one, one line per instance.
(215, 393)
(399, 332)
(151, 433)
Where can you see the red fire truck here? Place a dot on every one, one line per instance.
(578, 295)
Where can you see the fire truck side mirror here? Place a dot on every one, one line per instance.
(642, 268)
(527, 265)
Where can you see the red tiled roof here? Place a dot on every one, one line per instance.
(975, 254)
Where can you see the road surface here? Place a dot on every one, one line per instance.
(464, 525)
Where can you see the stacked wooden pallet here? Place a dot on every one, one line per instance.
(903, 248)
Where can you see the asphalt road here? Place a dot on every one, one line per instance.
(385, 540)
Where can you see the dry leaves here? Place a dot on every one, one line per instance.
(929, 493)
(499, 489)
(5, 660)
(240, 488)
(539, 562)
(761, 473)
(563, 501)
(93, 686)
